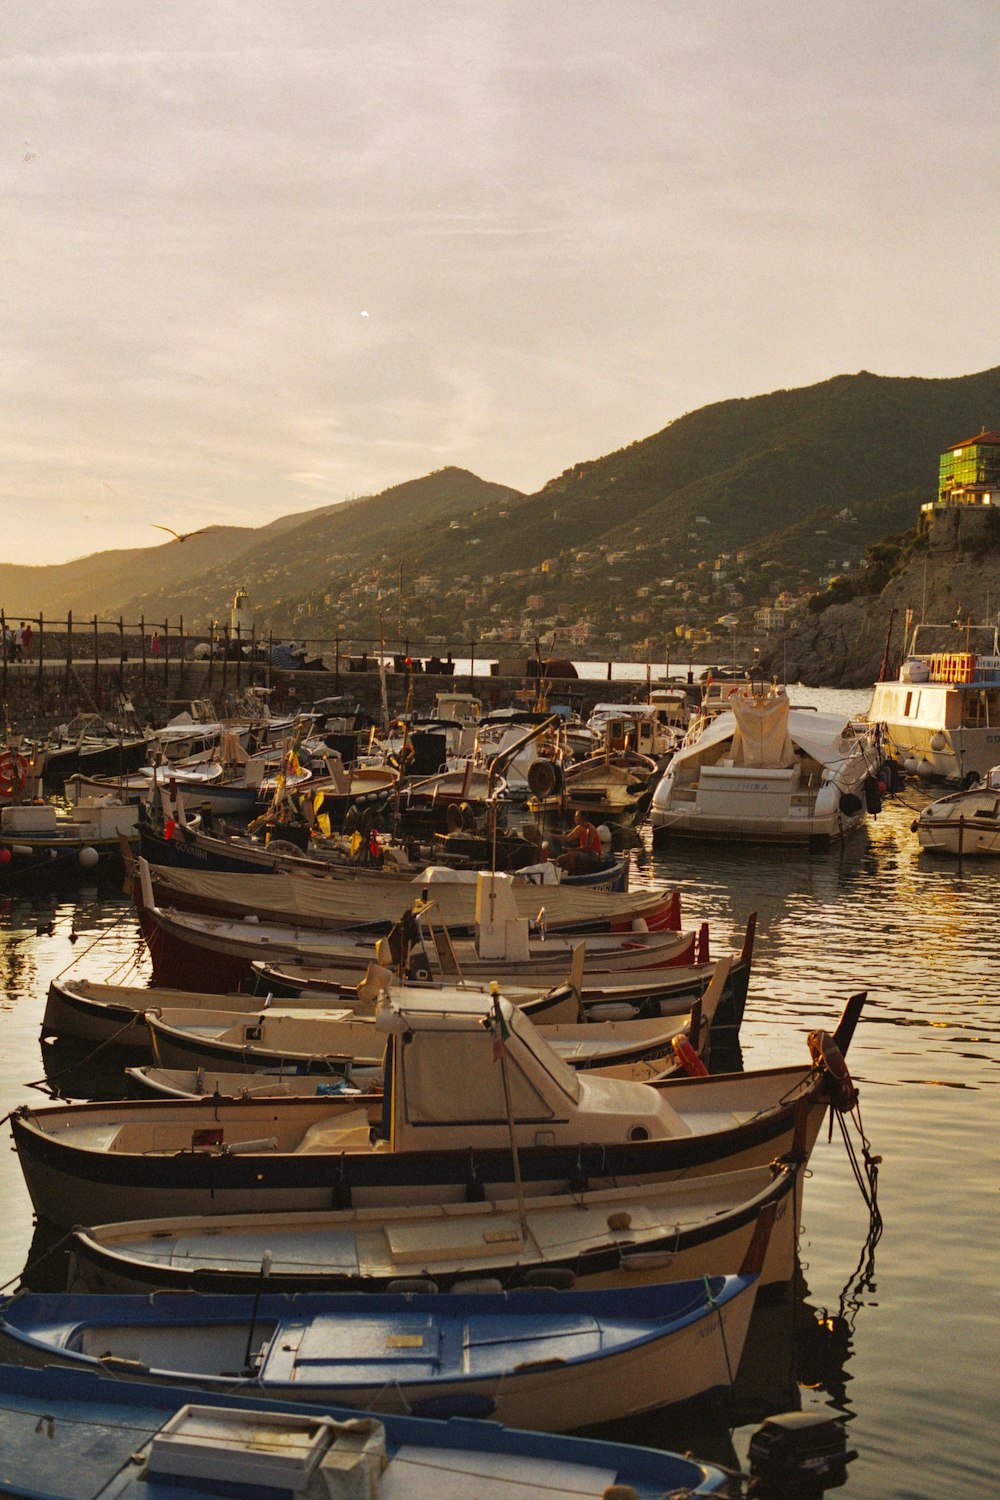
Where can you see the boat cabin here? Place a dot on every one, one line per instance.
(453, 1061)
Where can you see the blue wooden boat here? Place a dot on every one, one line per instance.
(552, 1361)
(74, 1435)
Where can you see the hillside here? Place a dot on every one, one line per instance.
(844, 644)
(281, 561)
(726, 508)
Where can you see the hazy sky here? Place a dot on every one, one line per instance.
(261, 255)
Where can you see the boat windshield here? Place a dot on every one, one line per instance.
(559, 1071)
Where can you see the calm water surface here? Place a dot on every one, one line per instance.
(902, 1338)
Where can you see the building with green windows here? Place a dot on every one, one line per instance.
(968, 493)
(969, 472)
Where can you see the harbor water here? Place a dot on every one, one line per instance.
(897, 1332)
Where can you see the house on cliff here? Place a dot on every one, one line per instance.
(968, 492)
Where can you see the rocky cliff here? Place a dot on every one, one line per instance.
(844, 645)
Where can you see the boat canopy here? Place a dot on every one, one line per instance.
(823, 737)
(762, 737)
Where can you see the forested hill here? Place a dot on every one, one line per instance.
(784, 488)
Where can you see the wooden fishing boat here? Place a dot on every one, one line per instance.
(627, 1236)
(316, 1040)
(965, 822)
(550, 1361)
(608, 788)
(445, 1132)
(366, 900)
(140, 1441)
(86, 1012)
(92, 746)
(198, 785)
(189, 950)
(647, 992)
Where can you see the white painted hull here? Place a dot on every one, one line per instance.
(666, 1232)
(926, 728)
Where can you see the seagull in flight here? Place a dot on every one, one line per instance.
(181, 536)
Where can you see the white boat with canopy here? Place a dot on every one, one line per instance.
(765, 771)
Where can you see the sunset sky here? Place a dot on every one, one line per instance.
(263, 255)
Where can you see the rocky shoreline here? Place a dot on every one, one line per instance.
(844, 646)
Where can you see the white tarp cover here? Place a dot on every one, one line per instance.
(761, 737)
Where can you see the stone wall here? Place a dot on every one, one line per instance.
(37, 696)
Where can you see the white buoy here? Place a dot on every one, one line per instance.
(88, 857)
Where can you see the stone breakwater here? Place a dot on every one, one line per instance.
(37, 697)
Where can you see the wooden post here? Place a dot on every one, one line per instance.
(3, 636)
(239, 655)
(472, 666)
(142, 648)
(225, 657)
(211, 653)
(270, 657)
(41, 653)
(121, 656)
(96, 659)
(252, 675)
(69, 659)
(336, 664)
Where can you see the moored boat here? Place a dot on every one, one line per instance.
(550, 1361)
(965, 822)
(193, 951)
(315, 1040)
(39, 841)
(444, 1133)
(766, 772)
(88, 1012)
(623, 1236)
(144, 1442)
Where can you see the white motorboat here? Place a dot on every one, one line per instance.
(764, 771)
(965, 822)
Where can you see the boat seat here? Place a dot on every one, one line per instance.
(347, 1132)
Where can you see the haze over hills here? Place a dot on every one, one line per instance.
(724, 509)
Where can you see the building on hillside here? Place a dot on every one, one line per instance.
(969, 472)
(968, 491)
(769, 618)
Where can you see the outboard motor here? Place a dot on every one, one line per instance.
(798, 1455)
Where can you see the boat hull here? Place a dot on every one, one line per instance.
(617, 1237)
(107, 1429)
(216, 1157)
(549, 1361)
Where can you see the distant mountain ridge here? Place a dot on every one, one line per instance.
(793, 482)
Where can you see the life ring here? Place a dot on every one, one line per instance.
(13, 773)
(826, 1054)
(688, 1057)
